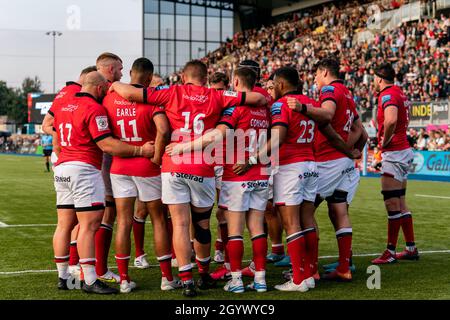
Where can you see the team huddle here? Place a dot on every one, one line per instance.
(267, 154)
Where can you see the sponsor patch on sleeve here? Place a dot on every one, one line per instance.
(230, 94)
(161, 87)
(327, 89)
(228, 111)
(276, 108)
(385, 98)
(102, 123)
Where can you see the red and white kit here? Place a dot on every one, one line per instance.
(336, 170)
(133, 123)
(80, 123)
(295, 174)
(191, 110)
(397, 156)
(250, 190)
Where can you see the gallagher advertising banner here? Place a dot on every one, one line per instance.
(433, 163)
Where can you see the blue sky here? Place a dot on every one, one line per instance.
(89, 27)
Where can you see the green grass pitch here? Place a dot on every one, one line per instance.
(27, 197)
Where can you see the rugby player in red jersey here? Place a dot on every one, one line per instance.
(109, 66)
(338, 177)
(47, 126)
(243, 197)
(188, 184)
(220, 81)
(397, 156)
(295, 176)
(140, 178)
(83, 133)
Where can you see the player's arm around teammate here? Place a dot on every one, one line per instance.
(80, 194)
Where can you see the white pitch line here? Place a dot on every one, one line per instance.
(25, 225)
(2, 225)
(6, 273)
(431, 196)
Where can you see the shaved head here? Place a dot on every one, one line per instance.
(95, 84)
(110, 66)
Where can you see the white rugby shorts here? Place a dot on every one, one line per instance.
(144, 188)
(79, 185)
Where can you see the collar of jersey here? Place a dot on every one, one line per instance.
(292, 92)
(137, 85)
(85, 94)
(69, 83)
(336, 81)
(386, 88)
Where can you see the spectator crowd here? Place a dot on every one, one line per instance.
(418, 50)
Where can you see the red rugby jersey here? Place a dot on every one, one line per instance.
(394, 96)
(342, 121)
(191, 111)
(298, 145)
(80, 123)
(132, 123)
(250, 125)
(63, 95)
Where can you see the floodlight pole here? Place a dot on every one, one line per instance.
(54, 34)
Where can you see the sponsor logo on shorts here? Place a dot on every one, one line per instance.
(255, 184)
(62, 179)
(188, 176)
(310, 174)
(348, 170)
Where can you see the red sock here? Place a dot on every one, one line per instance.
(103, 238)
(235, 248)
(278, 248)
(138, 233)
(185, 273)
(122, 261)
(73, 253)
(219, 245)
(408, 229)
(166, 266)
(203, 264)
(312, 248)
(344, 239)
(259, 246)
(394, 223)
(296, 249)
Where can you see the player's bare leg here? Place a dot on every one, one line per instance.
(202, 244)
(308, 223)
(290, 217)
(410, 252)
(61, 242)
(89, 223)
(255, 225)
(162, 243)
(181, 220)
(338, 211)
(275, 230)
(103, 239)
(222, 236)
(235, 246)
(140, 215)
(74, 259)
(125, 211)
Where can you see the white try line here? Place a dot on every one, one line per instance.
(7, 273)
(431, 196)
(4, 225)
